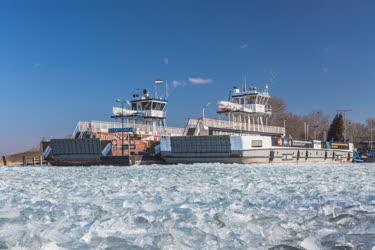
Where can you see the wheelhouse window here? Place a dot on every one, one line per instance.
(146, 105)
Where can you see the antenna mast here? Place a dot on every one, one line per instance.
(245, 84)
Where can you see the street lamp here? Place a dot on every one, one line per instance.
(122, 126)
(204, 109)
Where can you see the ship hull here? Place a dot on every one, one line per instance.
(266, 156)
(249, 149)
(109, 161)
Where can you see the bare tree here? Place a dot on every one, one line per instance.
(318, 123)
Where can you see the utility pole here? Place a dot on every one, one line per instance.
(306, 131)
(371, 134)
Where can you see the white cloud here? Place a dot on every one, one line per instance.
(166, 60)
(244, 46)
(199, 80)
(176, 83)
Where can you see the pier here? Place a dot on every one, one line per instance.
(22, 160)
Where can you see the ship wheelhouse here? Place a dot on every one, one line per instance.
(248, 106)
(143, 109)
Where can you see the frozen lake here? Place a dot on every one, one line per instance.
(188, 206)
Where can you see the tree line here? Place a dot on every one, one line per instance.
(319, 124)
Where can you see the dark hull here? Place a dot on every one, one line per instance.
(110, 161)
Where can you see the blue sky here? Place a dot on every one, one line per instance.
(65, 61)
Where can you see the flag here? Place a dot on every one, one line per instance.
(159, 81)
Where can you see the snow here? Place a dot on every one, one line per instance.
(203, 206)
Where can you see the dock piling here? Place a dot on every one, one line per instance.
(24, 161)
(4, 161)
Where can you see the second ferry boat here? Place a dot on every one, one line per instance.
(243, 134)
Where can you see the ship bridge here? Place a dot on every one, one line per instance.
(248, 106)
(143, 106)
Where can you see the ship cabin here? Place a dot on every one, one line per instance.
(248, 106)
(247, 111)
(143, 109)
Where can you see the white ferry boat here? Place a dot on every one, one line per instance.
(133, 138)
(243, 134)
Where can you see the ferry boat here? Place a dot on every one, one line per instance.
(132, 138)
(243, 134)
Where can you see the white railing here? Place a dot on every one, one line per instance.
(223, 124)
(102, 126)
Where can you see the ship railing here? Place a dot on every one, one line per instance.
(81, 127)
(192, 122)
(239, 126)
(102, 126)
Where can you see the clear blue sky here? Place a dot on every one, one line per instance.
(65, 61)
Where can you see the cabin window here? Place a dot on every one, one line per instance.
(162, 106)
(154, 105)
(146, 105)
(256, 143)
(134, 106)
(242, 101)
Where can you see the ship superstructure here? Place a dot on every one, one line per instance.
(246, 112)
(144, 114)
(143, 109)
(249, 106)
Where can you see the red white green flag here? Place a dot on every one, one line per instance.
(158, 81)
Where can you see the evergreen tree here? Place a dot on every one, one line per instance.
(336, 130)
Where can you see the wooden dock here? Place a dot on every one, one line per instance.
(23, 160)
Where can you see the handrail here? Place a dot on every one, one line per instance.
(223, 124)
(102, 126)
